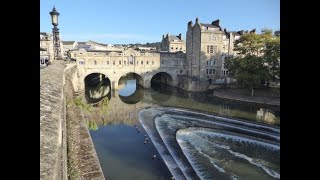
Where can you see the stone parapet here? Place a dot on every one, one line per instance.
(52, 122)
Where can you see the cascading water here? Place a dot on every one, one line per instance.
(202, 146)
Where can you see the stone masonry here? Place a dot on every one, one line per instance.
(52, 123)
(193, 67)
(53, 129)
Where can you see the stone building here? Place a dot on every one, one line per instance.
(207, 46)
(46, 44)
(173, 43)
(194, 65)
(68, 45)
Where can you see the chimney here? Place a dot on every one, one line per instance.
(241, 32)
(163, 36)
(253, 31)
(189, 24)
(197, 20)
(216, 22)
(180, 36)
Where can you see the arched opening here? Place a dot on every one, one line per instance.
(97, 87)
(131, 88)
(161, 78)
(161, 85)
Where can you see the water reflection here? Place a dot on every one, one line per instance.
(122, 106)
(97, 88)
(119, 138)
(128, 87)
(266, 115)
(132, 92)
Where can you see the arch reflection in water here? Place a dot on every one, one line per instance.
(161, 92)
(97, 86)
(127, 96)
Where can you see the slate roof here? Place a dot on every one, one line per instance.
(208, 25)
(68, 42)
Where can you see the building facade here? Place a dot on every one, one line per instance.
(173, 43)
(207, 47)
(194, 65)
(46, 46)
(67, 46)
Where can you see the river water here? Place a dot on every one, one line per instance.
(165, 132)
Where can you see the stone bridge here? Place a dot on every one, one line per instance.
(145, 66)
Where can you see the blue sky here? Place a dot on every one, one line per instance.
(132, 21)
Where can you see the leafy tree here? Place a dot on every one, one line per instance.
(272, 57)
(258, 59)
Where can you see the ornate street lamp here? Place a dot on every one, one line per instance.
(55, 31)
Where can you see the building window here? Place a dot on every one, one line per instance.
(176, 48)
(171, 47)
(81, 62)
(114, 62)
(107, 62)
(211, 49)
(214, 49)
(95, 62)
(120, 62)
(207, 71)
(214, 62)
(137, 62)
(181, 71)
(162, 62)
(147, 62)
(213, 71)
(210, 71)
(130, 60)
(125, 62)
(152, 62)
(207, 63)
(141, 62)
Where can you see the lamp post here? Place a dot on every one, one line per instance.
(55, 31)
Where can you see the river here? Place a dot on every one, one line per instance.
(162, 132)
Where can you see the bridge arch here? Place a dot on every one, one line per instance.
(96, 86)
(139, 79)
(162, 77)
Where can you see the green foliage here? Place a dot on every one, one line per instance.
(258, 59)
(92, 125)
(78, 102)
(272, 57)
(104, 106)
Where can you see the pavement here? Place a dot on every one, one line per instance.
(52, 165)
(270, 96)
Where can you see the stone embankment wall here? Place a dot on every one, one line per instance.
(52, 123)
(59, 123)
(83, 162)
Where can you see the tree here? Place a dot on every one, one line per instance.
(258, 59)
(272, 58)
